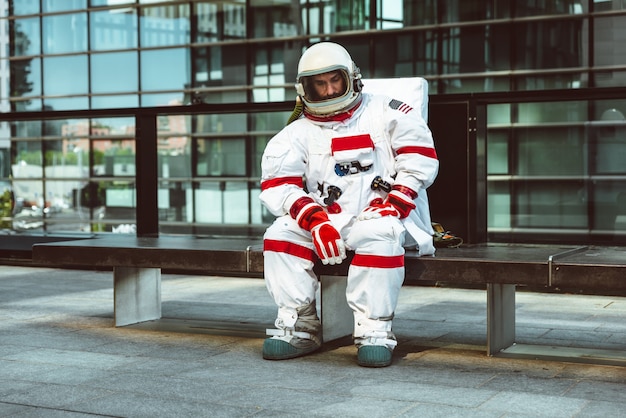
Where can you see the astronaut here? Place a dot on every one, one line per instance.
(349, 174)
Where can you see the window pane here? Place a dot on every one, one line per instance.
(221, 157)
(608, 138)
(217, 21)
(561, 80)
(207, 66)
(157, 76)
(113, 29)
(65, 33)
(109, 2)
(114, 72)
(405, 55)
(67, 158)
(331, 16)
(221, 202)
(116, 204)
(164, 25)
(162, 99)
(471, 10)
(610, 206)
(114, 157)
(551, 152)
(560, 43)
(68, 103)
(115, 102)
(552, 205)
(174, 199)
(29, 205)
(25, 36)
(65, 75)
(537, 8)
(24, 7)
(606, 5)
(59, 6)
(269, 70)
(609, 41)
(275, 19)
(25, 78)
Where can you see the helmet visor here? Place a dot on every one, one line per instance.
(319, 88)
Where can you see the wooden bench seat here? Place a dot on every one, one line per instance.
(137, 263)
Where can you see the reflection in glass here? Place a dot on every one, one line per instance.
(25, 37)
(550, 112)
(66, 206)
(113, 29)
(25, 7)
(269, 70)
(157, 76)
(281, 19)
(609, 206)
(70, 103)
(26, 159)
(113, 204)
(498, 205)
(65, 33)
(66, 158)
(174, 159)
(29, 205)
(25, 77)
(609, 139)
(207, 66)
(221, 202)
(406, 55)
(114, 72)
(162, 99)
(217, 21)
(164, 25)
(59, 6)
(221, 157)
(551, 152)
(78, 129)
(65, 75)
(173, 201)
(114, 157)
(552, 205)
(561, 45)
(116, 101)
(565, 7)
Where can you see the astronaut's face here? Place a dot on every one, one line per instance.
(328, 85)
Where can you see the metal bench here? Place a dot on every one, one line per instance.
(137, 263)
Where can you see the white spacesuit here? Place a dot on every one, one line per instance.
(350, 174)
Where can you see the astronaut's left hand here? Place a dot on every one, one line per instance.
(397, 204)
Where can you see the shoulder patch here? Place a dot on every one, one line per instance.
(401, 106)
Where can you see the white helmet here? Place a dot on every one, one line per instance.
(322, 58)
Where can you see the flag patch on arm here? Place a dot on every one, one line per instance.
(401, 106)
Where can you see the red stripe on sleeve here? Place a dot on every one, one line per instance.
(425, 151)
(290, 248)
(268, 184)
(378, 261)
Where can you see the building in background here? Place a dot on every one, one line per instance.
(553, 169)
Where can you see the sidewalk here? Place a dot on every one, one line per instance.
(60, 355)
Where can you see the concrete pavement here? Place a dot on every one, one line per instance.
(61, 356)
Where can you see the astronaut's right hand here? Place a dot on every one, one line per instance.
(328, 243)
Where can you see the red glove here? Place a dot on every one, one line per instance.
(399, 203)
(328, 243)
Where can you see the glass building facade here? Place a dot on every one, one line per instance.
(553, 168)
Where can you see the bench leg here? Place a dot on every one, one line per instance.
(500, 317)
(137, 294)
(336, 316)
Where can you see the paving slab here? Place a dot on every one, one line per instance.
(61, 356)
